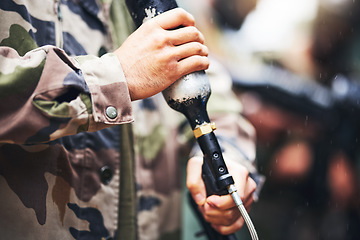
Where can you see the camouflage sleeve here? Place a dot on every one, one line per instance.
(46, 94)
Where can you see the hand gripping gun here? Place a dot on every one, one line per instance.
(189, 95)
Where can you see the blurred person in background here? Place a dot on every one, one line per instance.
(309, 157)
(87, 151)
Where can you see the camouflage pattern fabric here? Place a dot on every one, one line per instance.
(66, 158)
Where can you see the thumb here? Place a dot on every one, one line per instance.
(194, 181)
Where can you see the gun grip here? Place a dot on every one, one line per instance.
(211, 233)
(210, 181)
(211, 189)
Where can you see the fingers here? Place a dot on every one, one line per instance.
(193, 64)
(190, 49)
(192, 57)
(194, 182)
(174, 18)
(185, 35)
(182, 40)
(221, 211)
(249, 190)
(221, 202)
(222, 217)
(225, 222)
(245, 186)
(226, 230)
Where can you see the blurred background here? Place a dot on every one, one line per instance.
(295, 65)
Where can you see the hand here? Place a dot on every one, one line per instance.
(160, 51)
(221, 211)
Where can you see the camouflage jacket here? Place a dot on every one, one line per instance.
(73, 162)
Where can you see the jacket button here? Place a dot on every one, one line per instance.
(105, 175)
(111, 112)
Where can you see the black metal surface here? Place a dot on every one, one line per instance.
(137, 8)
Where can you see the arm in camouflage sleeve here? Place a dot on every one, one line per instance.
(45, 94)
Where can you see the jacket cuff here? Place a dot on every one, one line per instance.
(111, 102)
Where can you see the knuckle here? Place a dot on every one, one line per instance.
(197, 35)
(252, 185)
(202, 63)
(191, 18)
(200, 37)
(199, 49)
(172, 68)
(206, 50)
(241, 195)
(219, 205)
(203, 50)
(188, 16)
(243, 171)
(179, 11)
(229, 219)
(160, 39)
(184, 14)
(190, 185)
(206, 64)
(150, 25)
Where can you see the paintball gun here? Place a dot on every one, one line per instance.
(189, 95)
